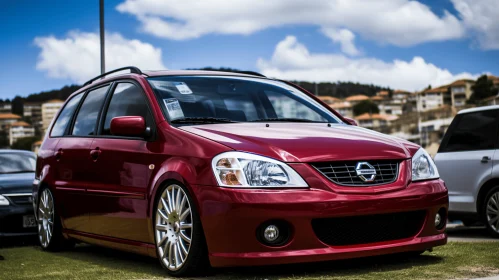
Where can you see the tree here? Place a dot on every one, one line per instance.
(365, 106)
(482, 88)
(17, 106)
(24, 143)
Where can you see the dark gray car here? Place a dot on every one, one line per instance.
(17, 172)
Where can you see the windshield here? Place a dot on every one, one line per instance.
(16, 163)
(212, 99)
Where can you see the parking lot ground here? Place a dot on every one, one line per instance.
(461, 260)
(458, 232)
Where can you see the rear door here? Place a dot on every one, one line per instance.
(72, 153)
(464, 159)
(121, 168)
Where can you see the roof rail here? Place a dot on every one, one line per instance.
(132, 69)
(251, 73)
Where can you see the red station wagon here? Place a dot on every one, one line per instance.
(203, 168)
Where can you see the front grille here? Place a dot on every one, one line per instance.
(344, 173)
(21, 200)
(368, 229)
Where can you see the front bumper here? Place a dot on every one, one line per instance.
(11, 220)
(230, 218)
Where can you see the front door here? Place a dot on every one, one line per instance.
(465, 159)
(121, 168)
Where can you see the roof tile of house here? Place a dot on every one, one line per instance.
(367, 116)
(21, 123)
(9, 116)
(359, 97)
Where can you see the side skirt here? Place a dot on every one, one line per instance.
(145, 249)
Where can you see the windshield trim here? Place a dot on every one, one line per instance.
(273, 82)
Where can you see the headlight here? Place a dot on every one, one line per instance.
(4, 201)
(244, 170)
(423, 167)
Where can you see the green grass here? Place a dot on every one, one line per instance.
(455, 260)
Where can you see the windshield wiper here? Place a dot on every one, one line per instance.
(202, 120)
(284, 120)
(20, 171)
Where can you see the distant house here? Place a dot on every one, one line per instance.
(378, 122)
(49, 111)
(5, 108)
(345, 108)
(433, 98)
(20, 130)
(7, 119)
(354, 99)
(460, 91)
(329, 99)
(33, 111)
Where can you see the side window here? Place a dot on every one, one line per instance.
(86, 119)
(127, 100)
(65, 116)
(473, 131)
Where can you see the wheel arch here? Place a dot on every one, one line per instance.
(484, 189)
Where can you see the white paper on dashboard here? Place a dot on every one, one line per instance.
(183, 88)
(173, 108)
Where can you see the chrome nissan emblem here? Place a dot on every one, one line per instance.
(365, 171)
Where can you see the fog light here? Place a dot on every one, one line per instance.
(271, 233)
(274, 233)
(438, 220)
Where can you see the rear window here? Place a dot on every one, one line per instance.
(86, 120)
(65, 116)
(471, 132)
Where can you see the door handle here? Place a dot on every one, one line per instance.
(94, 154)
(485, 159)
(58, 155)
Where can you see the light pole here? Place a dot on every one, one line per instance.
(102, 55)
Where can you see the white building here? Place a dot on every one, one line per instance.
(5, 108)
(19, 130)
(34, 112)
(49, 111)
(8, 119)
(433, 98)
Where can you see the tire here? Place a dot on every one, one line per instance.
(49, 224)
(175, 222)
(490, 211)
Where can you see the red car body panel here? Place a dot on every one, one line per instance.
(110, 201)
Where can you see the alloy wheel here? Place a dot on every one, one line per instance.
(173, 227)
(492, 212)
(45, 218)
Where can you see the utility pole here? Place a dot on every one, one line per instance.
(102, 55)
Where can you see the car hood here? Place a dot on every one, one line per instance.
(16, 183)
(306, 142)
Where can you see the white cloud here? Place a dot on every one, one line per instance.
(344, 37)
(77, 56)
(481, 19)
(397, 22)
(291, 60)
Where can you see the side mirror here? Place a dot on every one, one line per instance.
(132, 126)
(351, 121)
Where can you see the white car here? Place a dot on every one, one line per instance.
(468, 162)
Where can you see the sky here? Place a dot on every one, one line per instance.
(396, 43)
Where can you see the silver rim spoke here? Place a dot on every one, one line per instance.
(492, 211)
(173, 227)
(45, 218)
